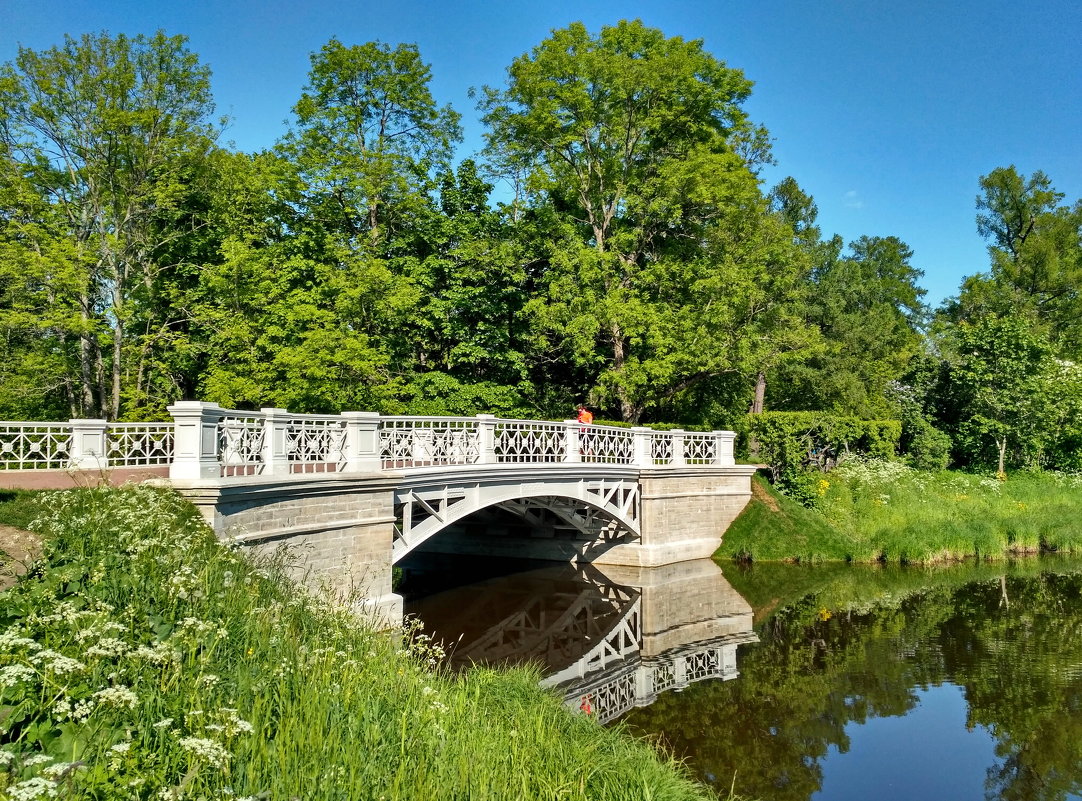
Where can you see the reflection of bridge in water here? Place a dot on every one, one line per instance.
(608, 640)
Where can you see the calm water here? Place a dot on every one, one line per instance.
(824, 683)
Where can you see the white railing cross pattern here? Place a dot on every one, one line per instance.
(205, 441)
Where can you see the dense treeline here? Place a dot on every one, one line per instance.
(632, 256)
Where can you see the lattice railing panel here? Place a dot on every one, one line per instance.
(424, 441)
(316, 444)
(612, 698)
(704, 665)
(139, 444)
(700, 448)
(661, 449)
(34, 446)
(524, 441)
(240, 445)
(664, 677)
(607, 445)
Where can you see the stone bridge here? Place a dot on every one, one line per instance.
(353, 494)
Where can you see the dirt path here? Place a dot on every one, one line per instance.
(18, 549)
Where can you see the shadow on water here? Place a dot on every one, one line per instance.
(607, 639)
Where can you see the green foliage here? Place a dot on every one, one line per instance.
(873, 510)
(868, 309)
(1001, 372)
(102, 142)
(141, 656)
(17, 508)
(1035, 246)
(630, 144)
(792, 442)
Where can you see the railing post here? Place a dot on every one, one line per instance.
(723, 449)
(275, 441)
(573, 441)
(486, 439)
(362, 442)
(641, 455)
(195, 440)
(678, 458)
(89, 447)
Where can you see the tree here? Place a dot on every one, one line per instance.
(367, 135)
(634, 140)
(1000, 373)
(868, 308)
(1035, 246)
(98, 138)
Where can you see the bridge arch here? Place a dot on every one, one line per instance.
(597, 505)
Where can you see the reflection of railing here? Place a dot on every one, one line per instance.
(608, 694)
(207, 441)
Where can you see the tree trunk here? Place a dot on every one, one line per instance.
(88, 407)
(757, 408)
(1002, 445)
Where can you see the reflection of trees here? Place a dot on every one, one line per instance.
(1020, 667)
(1023, 680)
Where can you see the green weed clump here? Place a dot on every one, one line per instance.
(140, 658)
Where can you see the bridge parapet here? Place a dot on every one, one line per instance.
(206, 441)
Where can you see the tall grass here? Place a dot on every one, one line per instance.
(885, 511)
(142, 659)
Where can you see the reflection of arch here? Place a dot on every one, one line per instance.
(637, 682)
(591, 508)
(568, 629)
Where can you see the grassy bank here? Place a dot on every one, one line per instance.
(141, 659)
(884, 511)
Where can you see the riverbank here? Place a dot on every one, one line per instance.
(141, 656)
(877, 511)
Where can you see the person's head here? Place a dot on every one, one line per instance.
(582, 407)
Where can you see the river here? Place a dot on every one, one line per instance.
(783, 682)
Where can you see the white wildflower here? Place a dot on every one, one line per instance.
(30, 789)
(37, 759)
(58, 770)
(119, 696)
(108, 646)
(62, 709)
(160, 654)
(6, 758)
(164, 723)
(121, 748)
(13, 639)
(62, 665)
(213, 752)
(16, 674)
(82, 710)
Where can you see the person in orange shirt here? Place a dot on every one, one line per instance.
(585, 417)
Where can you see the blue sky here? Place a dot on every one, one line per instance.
(886, 112)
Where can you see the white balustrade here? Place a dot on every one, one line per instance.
(206, 441)
(429, 441)
(139, 444)
(34, 446)
(531, 441)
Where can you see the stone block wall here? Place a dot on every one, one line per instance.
(683, 515)
(337, 532)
